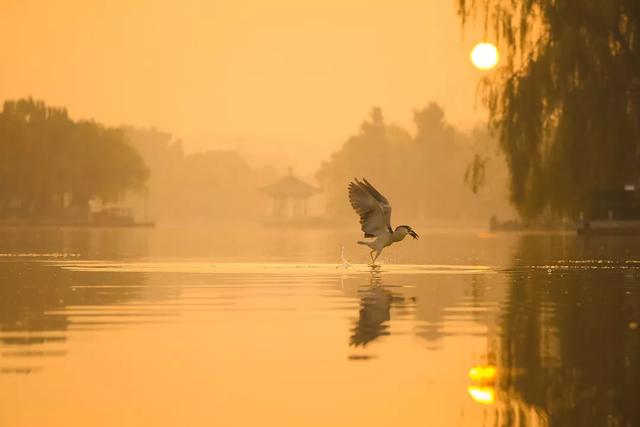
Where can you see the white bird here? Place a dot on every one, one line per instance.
(375, 218)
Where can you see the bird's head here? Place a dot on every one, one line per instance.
(405, 229)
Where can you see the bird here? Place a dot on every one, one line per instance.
(375, 218)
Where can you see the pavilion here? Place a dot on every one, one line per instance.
(290, 196)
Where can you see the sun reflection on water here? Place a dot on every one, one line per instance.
(482, 395)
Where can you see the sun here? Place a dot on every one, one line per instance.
(484, 56)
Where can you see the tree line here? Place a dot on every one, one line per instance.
(52, 166)
(204, 187)
(426, 174)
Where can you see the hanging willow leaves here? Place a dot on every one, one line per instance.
(475, 174)
(566, 101)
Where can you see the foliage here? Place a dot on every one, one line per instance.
(424, 172)
(566, 101)
(51, 165)
(210, 186)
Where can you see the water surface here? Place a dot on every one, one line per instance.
(244, 326)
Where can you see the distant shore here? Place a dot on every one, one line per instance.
(28, 223)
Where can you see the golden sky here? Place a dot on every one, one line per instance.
(288, 79)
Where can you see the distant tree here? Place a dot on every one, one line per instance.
(376, 152)
(45, 156)
(205, 187)
(423, 172)
(439, 162)
(104, 164)
(566, 102)
(33, 139)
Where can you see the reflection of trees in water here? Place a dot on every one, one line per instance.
(107, 243)
(40, 303)
(31, 291)
(570, 347)
(433, 298)
(37, 299)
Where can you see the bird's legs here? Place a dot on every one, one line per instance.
(373, 258)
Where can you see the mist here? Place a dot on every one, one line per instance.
(78, 172)
(277, 81)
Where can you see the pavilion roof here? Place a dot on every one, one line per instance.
(290, 186)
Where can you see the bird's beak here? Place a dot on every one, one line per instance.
(414, 234)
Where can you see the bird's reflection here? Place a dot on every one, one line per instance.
(375, 311)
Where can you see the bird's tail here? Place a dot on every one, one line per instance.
(362, 242)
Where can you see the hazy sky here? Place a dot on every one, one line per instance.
(290, 79)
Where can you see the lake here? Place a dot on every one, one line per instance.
(244, 326)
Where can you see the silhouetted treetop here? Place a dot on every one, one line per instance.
(423, 173)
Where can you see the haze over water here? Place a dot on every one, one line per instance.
(247, 326)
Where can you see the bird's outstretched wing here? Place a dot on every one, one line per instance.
(372, 207)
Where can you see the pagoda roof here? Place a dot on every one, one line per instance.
(290, 186)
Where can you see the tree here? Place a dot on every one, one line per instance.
(104, 164)
(206, 187)
(378, 152)
(423, 172)
(566, 102)
(33, 140)
(45, 157)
